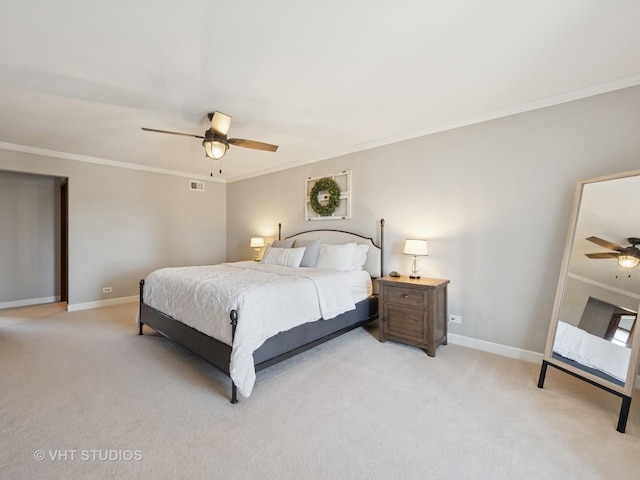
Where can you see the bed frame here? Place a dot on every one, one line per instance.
(282, 346)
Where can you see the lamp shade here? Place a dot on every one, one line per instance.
(257, 242)
(415, 247)
(214, 149)
(215, 146)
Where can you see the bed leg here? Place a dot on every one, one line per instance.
(234, 323)
(234, 393)
(141, 284)
(543, 373)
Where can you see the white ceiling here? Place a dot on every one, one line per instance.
(608, 210)
(319, 79)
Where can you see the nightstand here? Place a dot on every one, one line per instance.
(413, 311)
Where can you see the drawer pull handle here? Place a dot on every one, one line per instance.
(404, 295)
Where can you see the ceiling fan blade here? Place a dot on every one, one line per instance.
(240, 142)
(171, 133)
(220, 122)
(602, 255)
(605, 244)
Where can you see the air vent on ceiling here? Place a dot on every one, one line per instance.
(197, 186)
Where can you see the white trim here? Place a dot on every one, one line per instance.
(101, 161)
(564, 97)
(101, 303)
(29, 301)
(604, 286)
(504, 350)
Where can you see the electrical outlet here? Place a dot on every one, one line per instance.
(107, 290)
(455, 319)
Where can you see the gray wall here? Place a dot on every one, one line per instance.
(29, 238)
(492, 199)
(576, 296)
(124, 223)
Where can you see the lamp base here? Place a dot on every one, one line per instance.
(414, 268)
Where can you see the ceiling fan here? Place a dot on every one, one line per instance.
(628, 257)
(215, 141)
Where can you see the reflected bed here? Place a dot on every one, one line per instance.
(594, 354)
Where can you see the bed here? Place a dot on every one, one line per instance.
(243, 317)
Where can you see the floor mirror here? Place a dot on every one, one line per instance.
(593, 333)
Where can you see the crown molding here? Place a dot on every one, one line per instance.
(564, 97)
(604, 286)
(550, 101)
(101, 161)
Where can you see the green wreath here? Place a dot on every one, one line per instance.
(329, 192)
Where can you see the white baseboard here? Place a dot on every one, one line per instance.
(504, 350)
(74, 307)
(29, 301)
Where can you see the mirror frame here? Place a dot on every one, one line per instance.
(627, 389)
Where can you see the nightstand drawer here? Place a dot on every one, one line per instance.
(410, 297)
(405, 322)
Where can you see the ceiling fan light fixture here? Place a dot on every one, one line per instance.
(214, 146)
(628, 261)
(215, 141)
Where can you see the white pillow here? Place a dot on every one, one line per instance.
(336, 257)
(287, 257)
(359, 256)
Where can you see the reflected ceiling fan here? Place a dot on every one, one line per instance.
(215, 141)
(628, 257)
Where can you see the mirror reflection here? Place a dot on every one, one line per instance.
(597, 315)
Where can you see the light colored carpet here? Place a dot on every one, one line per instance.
(352, 408)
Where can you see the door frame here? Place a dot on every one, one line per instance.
(64, 239)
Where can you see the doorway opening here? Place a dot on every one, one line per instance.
(34, 210)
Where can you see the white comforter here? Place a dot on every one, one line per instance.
(268, 298)
(595, 352)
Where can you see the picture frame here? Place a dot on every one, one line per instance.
(328, 197)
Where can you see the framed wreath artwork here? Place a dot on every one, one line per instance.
(328, 197)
